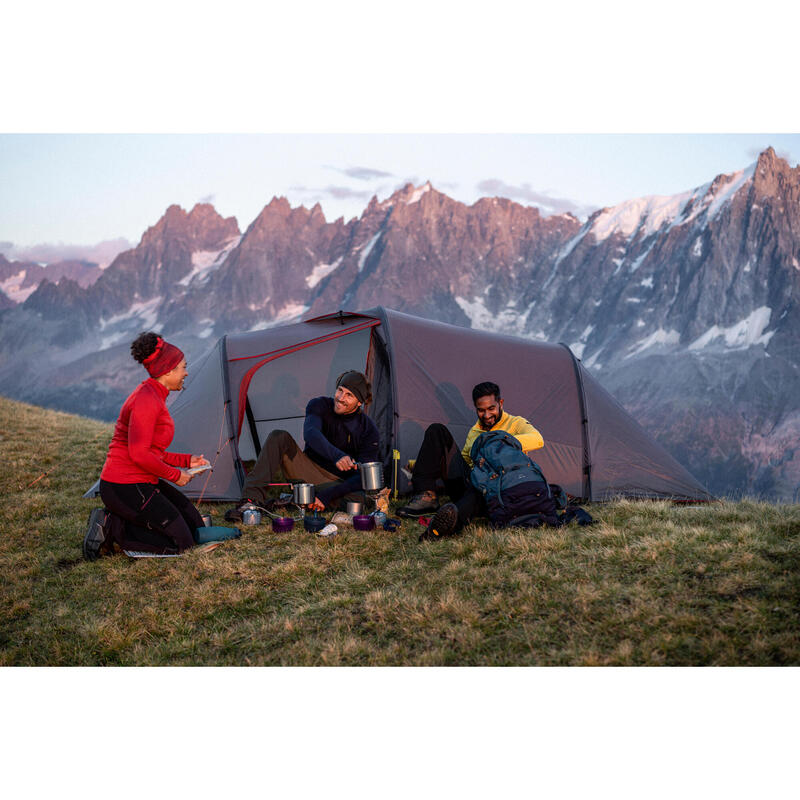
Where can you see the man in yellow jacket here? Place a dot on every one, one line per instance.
(440, 459)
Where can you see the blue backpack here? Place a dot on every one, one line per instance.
(511, 482)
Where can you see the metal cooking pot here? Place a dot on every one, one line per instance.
(303, 494)
(371, 476)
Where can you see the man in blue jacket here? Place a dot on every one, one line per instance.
(337, 433)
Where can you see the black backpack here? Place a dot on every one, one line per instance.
(511, 482)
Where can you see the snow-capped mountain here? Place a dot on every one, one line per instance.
(20, 279)
(684, 306)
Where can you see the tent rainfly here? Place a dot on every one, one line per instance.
(421, 372)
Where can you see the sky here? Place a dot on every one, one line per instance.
(87, 188)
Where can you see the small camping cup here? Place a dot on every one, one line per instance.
(303, 494)
(354, 508)
(207, 520)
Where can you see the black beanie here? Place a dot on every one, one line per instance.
(358, 384)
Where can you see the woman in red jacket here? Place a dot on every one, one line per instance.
(133, 484)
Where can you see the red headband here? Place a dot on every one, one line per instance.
(163, 359)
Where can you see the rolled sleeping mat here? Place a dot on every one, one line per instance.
(215, 533)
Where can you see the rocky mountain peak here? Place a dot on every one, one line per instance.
(277, 215)
(409, 194)
(201, 229)
(317, 214)
(773, 176)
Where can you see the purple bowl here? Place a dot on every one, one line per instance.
(363, 522)
(282, 524)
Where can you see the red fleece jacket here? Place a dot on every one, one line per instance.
(144, 430)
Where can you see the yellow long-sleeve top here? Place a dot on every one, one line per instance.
(528, 436)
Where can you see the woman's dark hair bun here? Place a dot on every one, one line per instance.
(144, 345)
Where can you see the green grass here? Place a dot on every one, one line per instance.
(651, 584)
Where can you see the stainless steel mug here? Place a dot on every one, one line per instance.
(371, 475)
(303, 494)
(207, 520)
(354, 508)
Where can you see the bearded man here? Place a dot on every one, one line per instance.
(338, 435)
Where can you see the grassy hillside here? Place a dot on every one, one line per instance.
(651, 584)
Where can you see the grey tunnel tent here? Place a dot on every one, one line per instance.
(422, 372)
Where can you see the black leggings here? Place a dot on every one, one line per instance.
(440, 459)
(158, 518)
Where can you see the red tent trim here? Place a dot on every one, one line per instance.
(248, 376)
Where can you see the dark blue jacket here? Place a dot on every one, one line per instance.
(330, 436)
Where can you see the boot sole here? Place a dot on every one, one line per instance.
(443, 522)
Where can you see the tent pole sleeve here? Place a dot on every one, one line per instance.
(226, 388)
(587, 455)
(251, 421)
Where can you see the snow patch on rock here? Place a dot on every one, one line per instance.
(417, 193)
(321, 271)
(507, 321)
(291, 312)
(144, 312)
(367, 250)
(12, 287)
(207, 330)
(743, 334)
(658, 338)
(204, 262)
(140, 316)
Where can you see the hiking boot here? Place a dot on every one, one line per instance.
(442, 524)
(420, 505)
(95, 536)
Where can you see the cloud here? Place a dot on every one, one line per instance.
(346, 193)
(362, 173)
(209, 198)
(101, 254)
(6, 248)
(546, 203)
(365, 173)
(337, 192)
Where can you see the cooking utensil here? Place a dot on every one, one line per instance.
(371, 475)
(303, 494)
(354, 508)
